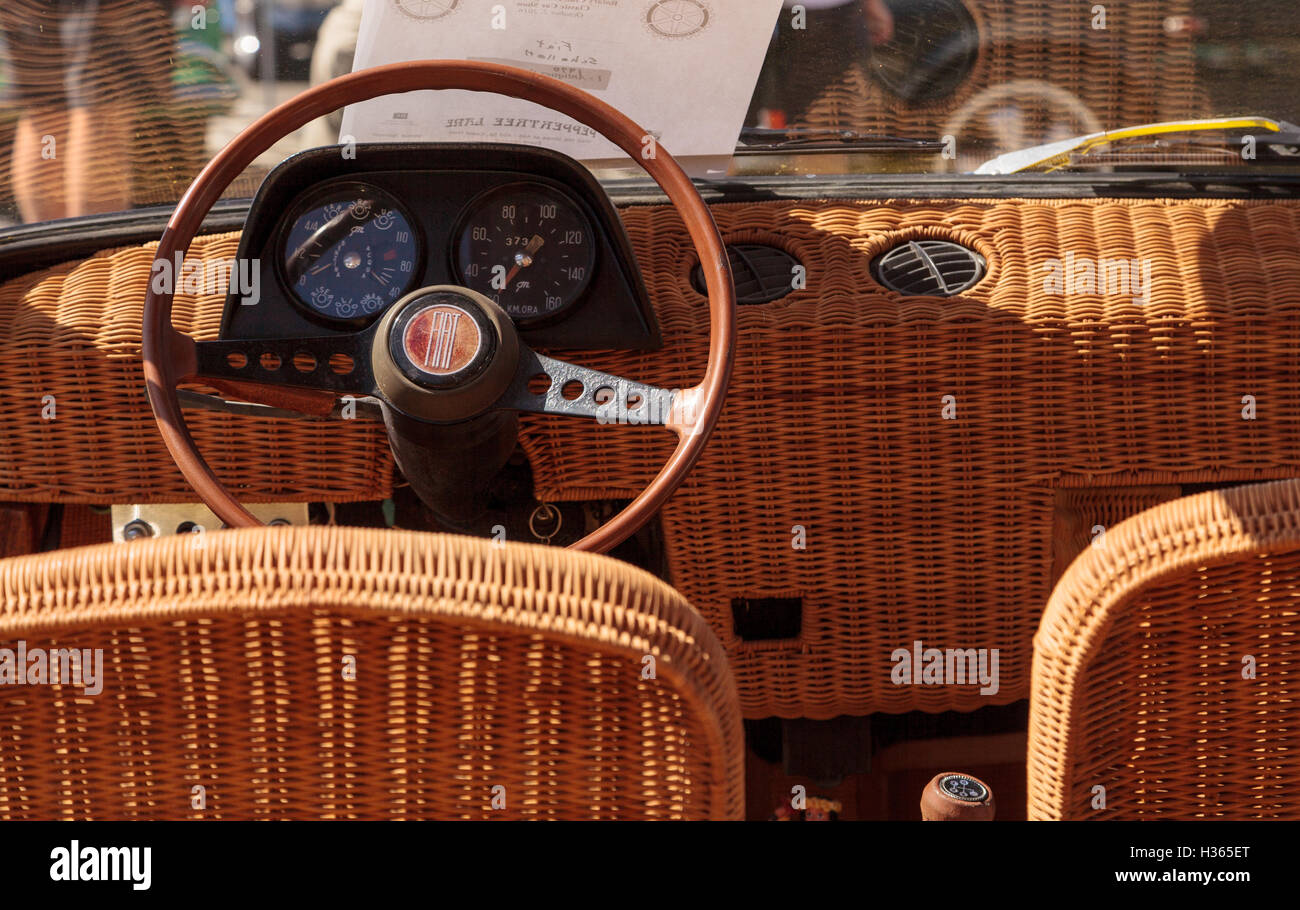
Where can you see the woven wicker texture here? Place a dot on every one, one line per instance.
(1139, 679)
(921, 528)
(917, 527)
(1084, 514)
(477, 666)
(1130, 72)
(73, 332)
(82, 526)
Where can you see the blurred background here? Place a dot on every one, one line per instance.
(997, 74)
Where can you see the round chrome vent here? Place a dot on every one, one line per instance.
(932, 53)
(761, 273)
(934, 268)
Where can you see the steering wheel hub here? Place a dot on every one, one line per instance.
(442, 339)
(444, 353)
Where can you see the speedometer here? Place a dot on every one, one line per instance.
(529, 247)
(349, 250)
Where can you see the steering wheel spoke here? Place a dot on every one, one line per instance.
(579, 391)
(337, 364)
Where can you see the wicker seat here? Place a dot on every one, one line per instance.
(1166, 670)
(349, 673)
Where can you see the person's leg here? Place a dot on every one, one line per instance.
(37, 70)
(40, 152)
(98, 170)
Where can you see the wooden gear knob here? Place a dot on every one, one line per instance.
(954, 797)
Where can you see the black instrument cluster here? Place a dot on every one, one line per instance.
(338, 239)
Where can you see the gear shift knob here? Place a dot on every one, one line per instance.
(953, 797)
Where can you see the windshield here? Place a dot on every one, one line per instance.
(110, 105)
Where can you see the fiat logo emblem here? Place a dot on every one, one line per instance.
(442, 339)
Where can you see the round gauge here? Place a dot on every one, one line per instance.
(348, 251)
(528, 247)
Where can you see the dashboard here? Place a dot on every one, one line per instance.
(834, 426)
(338, 235)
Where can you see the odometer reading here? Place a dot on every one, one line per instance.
(349, 252)
(529, 248)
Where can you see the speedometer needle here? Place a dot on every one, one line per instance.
(524, 258)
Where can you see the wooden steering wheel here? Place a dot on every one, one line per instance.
(171, 357)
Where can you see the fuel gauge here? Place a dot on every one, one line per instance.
(348, 251)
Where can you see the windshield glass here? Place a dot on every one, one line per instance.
(109, 105)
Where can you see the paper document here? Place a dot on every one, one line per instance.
(684, 70)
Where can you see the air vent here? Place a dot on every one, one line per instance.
(762, 273)
(929, 267)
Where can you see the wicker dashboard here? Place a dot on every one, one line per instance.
(902, 470)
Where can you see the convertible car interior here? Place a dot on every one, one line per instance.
(428, 480)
